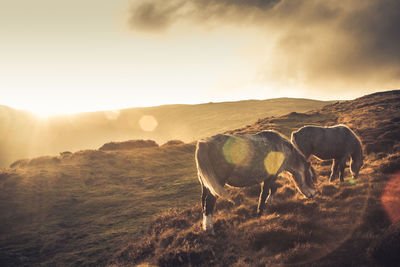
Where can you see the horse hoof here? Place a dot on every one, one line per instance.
(207, 224)
(269, 200)
(209, 231)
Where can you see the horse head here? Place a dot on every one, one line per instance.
(305, 178)
(355, 166)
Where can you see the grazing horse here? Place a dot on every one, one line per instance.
(245, 160)
(337, 142)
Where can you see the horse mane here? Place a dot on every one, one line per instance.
(207, 173)
(286, 141)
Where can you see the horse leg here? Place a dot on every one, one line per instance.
(342, 166)
(204, 192)
(272, 190)
(263, 197)
(207, 212)
(334, 170)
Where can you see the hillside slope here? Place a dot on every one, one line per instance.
(23, 135)
(78, 208)
(136, 202)
(355, 223)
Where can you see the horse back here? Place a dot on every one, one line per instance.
(239, 160)
(213, 148)
(326, 142)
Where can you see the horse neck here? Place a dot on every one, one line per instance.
(295, 162)
(357, 154)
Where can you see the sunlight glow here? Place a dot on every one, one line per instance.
(148, 123)
(44, 113)
(112, 114)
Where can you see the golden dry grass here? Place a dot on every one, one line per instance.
(142, 205)
(80, 207)
(348, 224)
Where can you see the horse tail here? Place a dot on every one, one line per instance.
(207, 174)
(296, 143)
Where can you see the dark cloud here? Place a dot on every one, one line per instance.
(318, 40)
(159, 15)
(376, 28)
(152, 16)
(359, 44)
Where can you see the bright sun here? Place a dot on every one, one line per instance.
(46, 111)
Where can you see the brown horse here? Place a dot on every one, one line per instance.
(245, 160)
(337, 142)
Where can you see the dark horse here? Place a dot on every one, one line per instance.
(337, 142)
(245, 160)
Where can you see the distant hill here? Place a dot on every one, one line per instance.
(135, 202)
(23, 135)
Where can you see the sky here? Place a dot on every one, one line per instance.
(74, 56)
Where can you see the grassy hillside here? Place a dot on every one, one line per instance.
(355, 223)
(134, 202)
(23, 135)
(81, 207)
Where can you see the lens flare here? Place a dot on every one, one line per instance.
(148, 123)
(273, 162)
(112, 114)
(352, 182)
(391, 198)
(237, 151)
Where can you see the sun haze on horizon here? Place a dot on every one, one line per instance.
(74, 56)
